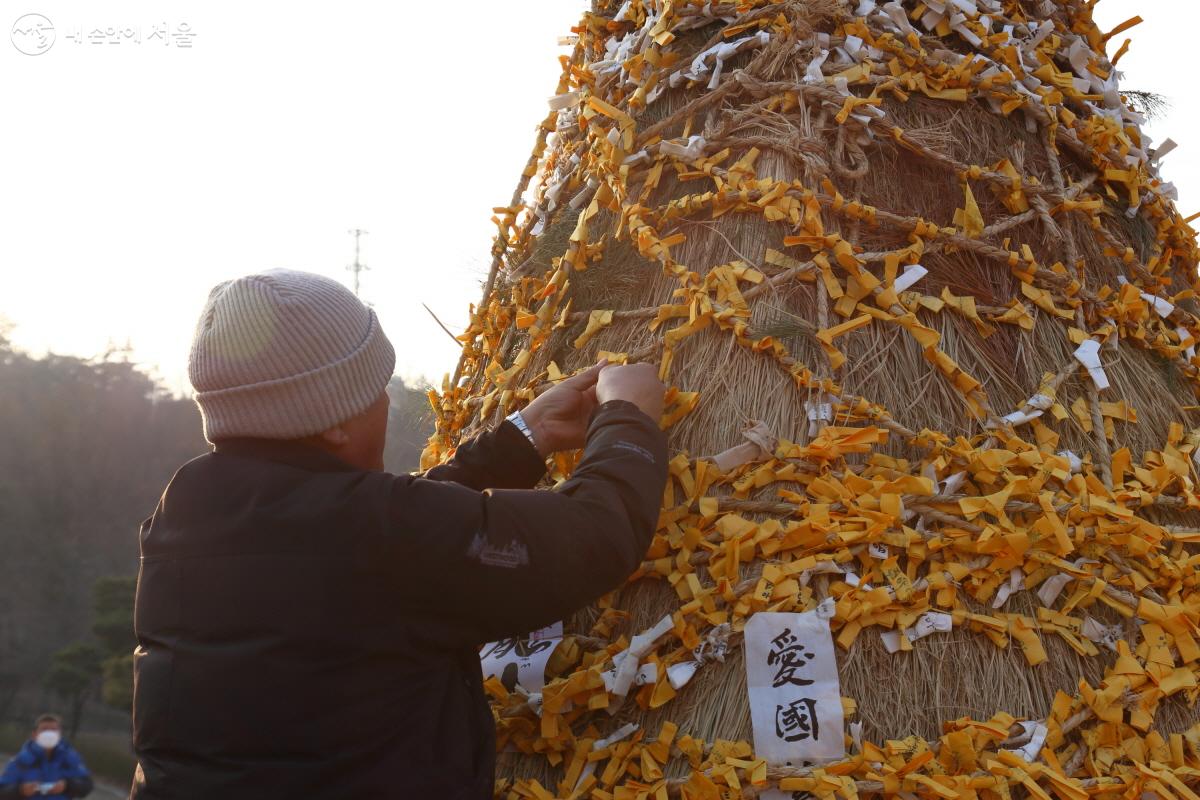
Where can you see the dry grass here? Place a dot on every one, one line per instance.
(948, 675)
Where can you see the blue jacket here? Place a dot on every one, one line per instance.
(35, 764)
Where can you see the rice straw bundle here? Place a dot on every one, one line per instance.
(926, 309)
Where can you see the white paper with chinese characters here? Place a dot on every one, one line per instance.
(521, 660)
(795, 694)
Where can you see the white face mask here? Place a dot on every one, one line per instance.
(48, 740)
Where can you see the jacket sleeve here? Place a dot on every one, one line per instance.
(499, 459)
(76, 770)
(505, 562)
(11, 777)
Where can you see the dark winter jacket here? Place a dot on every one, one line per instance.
(310, 630)
(34, 765)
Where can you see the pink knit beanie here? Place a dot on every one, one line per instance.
(285, 354)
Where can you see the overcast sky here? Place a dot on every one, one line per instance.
(137, 174)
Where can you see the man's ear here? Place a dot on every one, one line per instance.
(335, 436)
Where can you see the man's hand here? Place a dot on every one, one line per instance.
(637, 383)
(559, 417)
(58, 788)
(29, 789)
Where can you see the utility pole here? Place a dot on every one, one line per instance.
(357, 267)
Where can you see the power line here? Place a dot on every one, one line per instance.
(357, 267)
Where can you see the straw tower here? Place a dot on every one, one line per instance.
(925, 308)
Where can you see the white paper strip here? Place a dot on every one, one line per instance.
(795, 694)
(819, 414)
(912, 273)
(1021, 417)
(646, 673)
(679, 674)
(1162, 307)
(1040, 401)
(1075, 461)
(1052, 587)
(1036, 731)
(718, 53)
(825, 568)
(521, 661)
(565, 100)
(1163, 149)
(759, 445)
(1015, 583)
(927, 623)
(712, 647)
(853, 45)
(1098, 632)
(812, 73)
(1187, 341)
(626, 662)
(688, 152)
(584, 194)
(953, 482)
(1088, 354)
(898, 16)
(933, 622)
(620, 733)
(616, 736)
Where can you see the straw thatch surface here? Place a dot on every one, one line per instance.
(734, 225)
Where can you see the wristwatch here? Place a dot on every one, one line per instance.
(516, 419)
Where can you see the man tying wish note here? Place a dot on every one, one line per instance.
(309, 625)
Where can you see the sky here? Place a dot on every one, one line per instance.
(137, 172)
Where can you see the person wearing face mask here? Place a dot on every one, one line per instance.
(46, 767)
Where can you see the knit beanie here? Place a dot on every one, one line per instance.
(283, 354)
